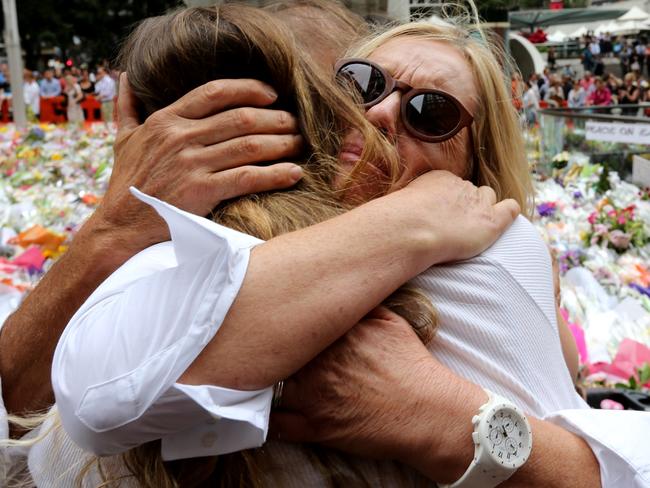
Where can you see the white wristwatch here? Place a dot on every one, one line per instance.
(502, 444)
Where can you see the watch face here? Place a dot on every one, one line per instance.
(509, 437)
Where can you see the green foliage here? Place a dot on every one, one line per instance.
(100, 25)
(637, 381)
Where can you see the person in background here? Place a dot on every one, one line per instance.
(555, 93)
(105, 92)
(551, 58)
(577, 97)
(531, 103)
(613, 83)
(606, 47)
(50, 86)
(75, 96)
(544, 83)
(629, 93)
(599, 66)
(85, 83)
(601, 96)
(517, 87)
(617, 47)
(639, 50)
(594, 46)
(31, 94)
(587, 58)
(587, 82)
(567, 85)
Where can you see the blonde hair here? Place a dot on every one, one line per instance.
(499, 153)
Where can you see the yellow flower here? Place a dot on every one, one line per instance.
(57, 157)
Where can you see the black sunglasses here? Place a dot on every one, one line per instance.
(430, 115)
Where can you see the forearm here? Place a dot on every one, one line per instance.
(29, 336)
(305, 289)
(444, 455)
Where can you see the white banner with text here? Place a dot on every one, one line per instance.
(617, 132)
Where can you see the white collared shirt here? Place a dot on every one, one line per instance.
(105, 89)
(156, 288)
(140, 330)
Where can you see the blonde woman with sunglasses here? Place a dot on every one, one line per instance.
(480, 286)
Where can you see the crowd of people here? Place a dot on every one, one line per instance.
(74, 84)
(632, 52)
(561, 87)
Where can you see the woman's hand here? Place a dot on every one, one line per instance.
(465, 219)
(193, 154)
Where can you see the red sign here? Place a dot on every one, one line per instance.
(557, 4)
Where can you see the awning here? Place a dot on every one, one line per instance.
(531, 19)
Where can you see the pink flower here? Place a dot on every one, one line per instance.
(601, 229)
(592, 218)
(620, 239)
(621, 219)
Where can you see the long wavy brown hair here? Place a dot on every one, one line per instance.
(168, 56)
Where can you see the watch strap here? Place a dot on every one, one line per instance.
(478, 477)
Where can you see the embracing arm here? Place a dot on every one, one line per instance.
(164, 161)
(305, 289)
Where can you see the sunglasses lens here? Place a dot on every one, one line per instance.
(432, 114)
(368, 81)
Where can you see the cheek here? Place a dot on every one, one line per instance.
(419, 157)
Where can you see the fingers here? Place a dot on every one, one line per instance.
(218, 95)
(253, 179)
(487, 194)
(505, 212)
(127, 112)
(247, 150)
(240, 122)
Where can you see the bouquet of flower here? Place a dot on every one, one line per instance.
(615, 228)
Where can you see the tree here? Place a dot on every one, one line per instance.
(98, 26)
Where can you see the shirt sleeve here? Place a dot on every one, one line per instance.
(115, 368)
(619, 440)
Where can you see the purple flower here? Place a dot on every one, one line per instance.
(641, 289)
(577, 195)
(546, 209)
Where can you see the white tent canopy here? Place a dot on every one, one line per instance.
(611, 27)
(557, 37)
(579, 33)
(630, 27)
(635, 13)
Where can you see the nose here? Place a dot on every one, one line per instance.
(385, 115)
